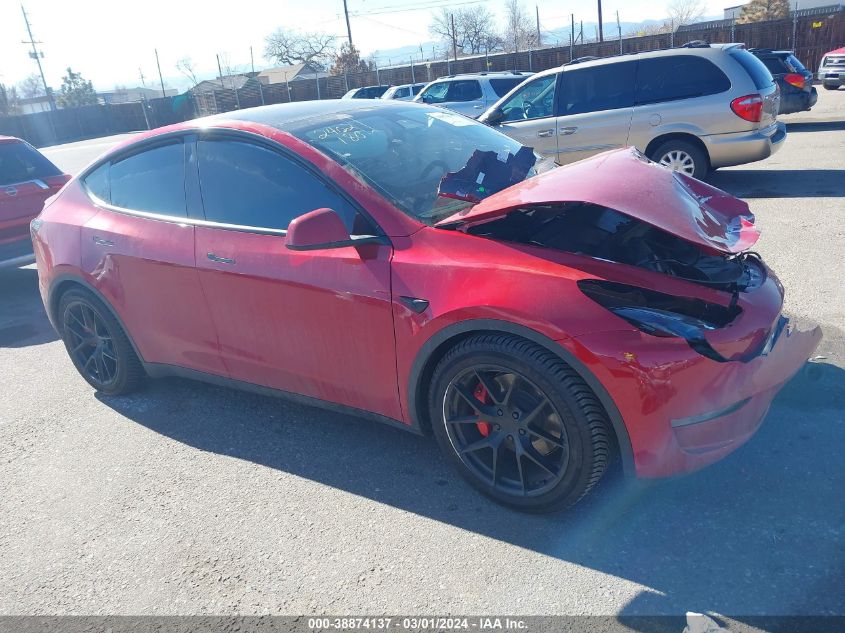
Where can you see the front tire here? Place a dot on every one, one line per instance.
(518, 423)
(682, 156)
(830, 87)
(97, 344)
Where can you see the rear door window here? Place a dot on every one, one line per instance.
(680, 77)
(20, 162)
(503, 86)
(151, 180)
(464, 90)
(760, 75)
(596, 88)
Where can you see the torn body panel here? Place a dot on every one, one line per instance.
(628, 182)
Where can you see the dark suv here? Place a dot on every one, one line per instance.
(795, 81)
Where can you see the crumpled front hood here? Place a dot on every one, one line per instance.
(628, 182)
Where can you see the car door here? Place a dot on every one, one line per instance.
(680, 93)
(317, 323)
(595, 105)
(27, 179)
(528, 115)
(139, 252)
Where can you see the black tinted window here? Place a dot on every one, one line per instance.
(775, 65)
(796, 64)
(606, 87)
(19, 162)
(679, 77)
(760, 75)
(250, 185)
(469, 90)
(503, 86)
(151, 180)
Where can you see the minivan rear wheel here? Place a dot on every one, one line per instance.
(682, 156)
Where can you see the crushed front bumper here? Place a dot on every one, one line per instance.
(683, 411)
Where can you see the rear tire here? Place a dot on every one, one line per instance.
(541, 440)
(97, 345)
(830, 87)
(682, 156)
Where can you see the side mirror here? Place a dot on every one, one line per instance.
(321, 229)
(493, 117)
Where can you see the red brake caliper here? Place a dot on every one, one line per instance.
(481, 393)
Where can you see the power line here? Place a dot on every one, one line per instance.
(418, 7)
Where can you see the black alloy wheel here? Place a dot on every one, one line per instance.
(519, 423)
(97, 345)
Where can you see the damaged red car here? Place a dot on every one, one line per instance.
(412, 265)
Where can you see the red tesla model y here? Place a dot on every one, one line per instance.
(413, 265)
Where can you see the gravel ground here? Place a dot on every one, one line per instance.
(192, 499)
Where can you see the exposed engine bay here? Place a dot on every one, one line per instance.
(604, 233)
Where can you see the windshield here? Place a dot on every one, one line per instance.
(405, 153)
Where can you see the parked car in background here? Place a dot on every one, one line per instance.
(472, 93)
(797, 92)
(691, 108)
(832, 69)
(27, 179)
(367, 92)
(405, 92)
(364, 256)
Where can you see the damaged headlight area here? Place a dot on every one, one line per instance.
(660, 314)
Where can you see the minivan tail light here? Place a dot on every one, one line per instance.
(749, 107)
(794, 79)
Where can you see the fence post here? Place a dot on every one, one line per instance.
(261, 92)
(317, 79)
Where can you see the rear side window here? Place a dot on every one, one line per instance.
(98, 182)
(468, 90)
(606, 87)
(251, 185)
(679, 77)
(503, 86)
(760, 75)
(401, 93)
(796, 64)
(152, 180)
(776, 65)
(416, 89)
(19, 162)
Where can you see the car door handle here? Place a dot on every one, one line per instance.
(220, 260)
(478, 107)
(566, 131)
(545, 133)
(100, 241)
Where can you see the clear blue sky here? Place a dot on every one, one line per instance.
(110, 41)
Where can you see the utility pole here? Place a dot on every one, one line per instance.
(219, 69)
(601, 29)
(37, 55)
(454, 38)
(537, 10)
(619, 31)
(348, 28)
(572, 37)
(794, 24)
(141, 75)
(160, 79)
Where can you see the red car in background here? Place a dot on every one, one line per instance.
(27, 179)
(413, 265)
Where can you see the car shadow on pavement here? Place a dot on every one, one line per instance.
(781, 183)
(815, 126)
(760, 532)
(23, 321)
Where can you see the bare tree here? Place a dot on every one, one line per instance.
(293, 47)
(653, 28)
(760, 10)
(686, 11)
(441, 26)
(31, 87)
(519, 30)
(9, 105)
(476, 27)
(186, 67)
(348, 60)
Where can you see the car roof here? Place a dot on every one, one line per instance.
(10, 139)
(493, 73)
(710, 50)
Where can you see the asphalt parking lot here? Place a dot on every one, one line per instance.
(193, 499)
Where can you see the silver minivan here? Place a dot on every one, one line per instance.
(692, 108)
